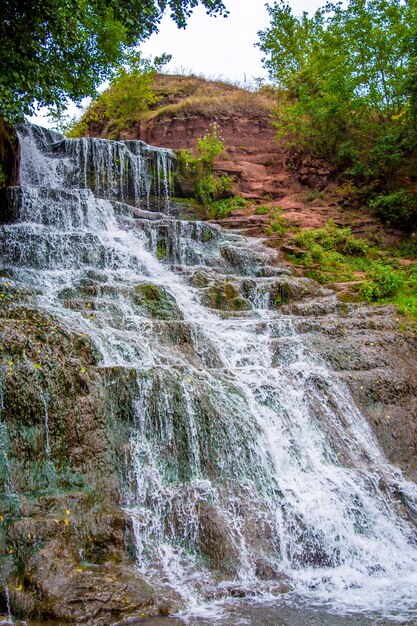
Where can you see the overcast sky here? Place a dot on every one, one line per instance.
(215, 47)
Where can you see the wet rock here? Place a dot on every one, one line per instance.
(216, 540)
(374, 352)
(288, 289)
(293, 250)
(267, 570)
(52, 390)
(200, 278)
(223, 295)
(156, 301)
(68, 591)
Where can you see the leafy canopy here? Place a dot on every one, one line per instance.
(54, 50)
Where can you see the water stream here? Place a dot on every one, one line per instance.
(250, 462)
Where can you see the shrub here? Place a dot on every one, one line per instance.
(278, 227)
(394, 208)
(315, 196)
(384, 282)
(129, 95)
(331, 237)
(316, 252)
(262, 210)
(210, 146)
(209, 186)
(222, 208)
(408, 248)
(356, 195)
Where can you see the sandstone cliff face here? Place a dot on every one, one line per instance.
(251, 159)
(253, 156)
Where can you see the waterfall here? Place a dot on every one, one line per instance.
(130, 171)
(249, 462)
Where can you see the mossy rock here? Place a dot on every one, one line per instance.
(216, 541)
(289, 289)
(51, 389)
(156, 302)
(224, 296)
(200, 278)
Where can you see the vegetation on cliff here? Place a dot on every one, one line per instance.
(128, 97)
(199, 166)
(332, 255)
(348, 94)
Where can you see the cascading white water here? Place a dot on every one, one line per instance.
(250, 458)
(130, 171)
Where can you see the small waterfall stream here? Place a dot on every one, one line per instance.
(249, 459)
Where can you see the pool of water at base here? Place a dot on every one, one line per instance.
(247, 613)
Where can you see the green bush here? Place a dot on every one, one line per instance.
(279, 227)
(316, 252)
(262, 210)
(209, 186)
(408, 248)
(331, 237)
(210, 146)
(315, 196)
(222, 208)
(395, 208)
(383, 282)
(348, 94)
(130, 94)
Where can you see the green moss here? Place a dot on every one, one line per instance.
(161, 251)
(156, 302)
(224, 296)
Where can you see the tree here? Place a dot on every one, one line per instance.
(349, 90)
(55, 50)
(130, 93)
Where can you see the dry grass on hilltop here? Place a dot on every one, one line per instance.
(192, 95)
(173, 96)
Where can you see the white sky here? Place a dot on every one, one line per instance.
(215, 47)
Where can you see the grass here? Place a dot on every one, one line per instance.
(317, 196)
(216, 209)
(193, 95)
(278, 224)
(222, 208)
(262, 210)
(214, 106)
(333, 255)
